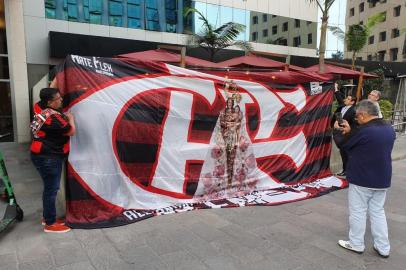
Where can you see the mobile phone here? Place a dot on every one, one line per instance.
(339, 118)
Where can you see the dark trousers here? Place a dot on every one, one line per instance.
(50, 171)
(344, 158)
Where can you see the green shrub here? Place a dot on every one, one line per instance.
(386, 108)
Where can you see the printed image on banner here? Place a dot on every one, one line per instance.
(155, 139)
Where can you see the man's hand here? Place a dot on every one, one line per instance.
(335, 87)
(69, 115)
(344, 127)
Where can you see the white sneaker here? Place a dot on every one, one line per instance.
(347, 245)
(381, 254)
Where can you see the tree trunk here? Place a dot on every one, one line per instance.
(322, 45)
(353, 60)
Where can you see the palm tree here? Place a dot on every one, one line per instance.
(324, 6)
(215, 39)
(357, 36)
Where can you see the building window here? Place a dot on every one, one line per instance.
(296, 41)
(285, 27)
(254, 36)
(369, 57)
(255, 20)
(134, 13)
(395, 33)
(274, 30)
(361, 23)
(92, 11)
(115, 13)
(152, 15)
(358, 58)
(50, 9)
(171, 15)
(382, 36)
(309, 38)
(372, 4)
(283, 42)
(371, 40)
(264, 17)
(394, 54)
(297, 23)
(265, 32)
(70, 10)
(273, 16)
(396, 11)
(384, 17)
(361, 7)
(352, 12)
(381, 55)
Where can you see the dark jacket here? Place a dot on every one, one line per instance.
(349, 114)
(369, 149)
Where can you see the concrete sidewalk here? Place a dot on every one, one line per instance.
(301, 235)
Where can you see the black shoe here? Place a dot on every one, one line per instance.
(341, 173)
(380, 254)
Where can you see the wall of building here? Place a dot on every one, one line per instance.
(372, 51)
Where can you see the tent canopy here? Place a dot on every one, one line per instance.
(345, 73)
(252, 61)
(160, 55)
(290, 77)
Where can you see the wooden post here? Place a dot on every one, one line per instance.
(183, 57)
(360, 81)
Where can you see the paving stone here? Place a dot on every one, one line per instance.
(193, 244)
(8, 261)
(161, 244)
(32, 247)
(240, 253)
(220, 262)
(40, 263)
(69, 253)
(242, 236)
(138, 255)
(77, 266)
(105, 257)
(180, 260)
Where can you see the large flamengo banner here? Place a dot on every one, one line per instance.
(156, 139)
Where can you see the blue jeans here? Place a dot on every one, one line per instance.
(50, 171)
(360, 201)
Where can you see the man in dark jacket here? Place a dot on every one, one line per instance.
(369, 173)
(347, 109)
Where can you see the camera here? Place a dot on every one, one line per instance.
(339, 118)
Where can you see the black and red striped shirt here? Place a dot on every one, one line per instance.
(52, 140)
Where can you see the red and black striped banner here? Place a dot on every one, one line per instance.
(155, 139)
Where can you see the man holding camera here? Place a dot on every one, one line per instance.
(369, 173)
(346, 111)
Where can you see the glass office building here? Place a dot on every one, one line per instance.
(167, 16)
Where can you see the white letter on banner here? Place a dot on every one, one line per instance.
(175, 149)
(91, 156)
(270, 106)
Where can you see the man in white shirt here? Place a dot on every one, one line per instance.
(374, 96)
